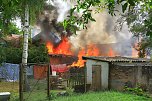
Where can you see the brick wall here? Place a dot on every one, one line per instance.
(120, 76)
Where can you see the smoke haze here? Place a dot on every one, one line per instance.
(100, 33)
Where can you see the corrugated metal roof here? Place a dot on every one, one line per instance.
(137, 64)
(116, 59)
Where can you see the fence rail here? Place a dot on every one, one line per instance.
(76, 79)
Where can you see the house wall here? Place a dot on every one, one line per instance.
(119, 77)
(146, 78)
(104, 73)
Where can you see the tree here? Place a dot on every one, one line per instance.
(137, 14)
(139, 20)
(86, 6)
(37, 54)
(28, 5)
(8, 11)
(26, 10)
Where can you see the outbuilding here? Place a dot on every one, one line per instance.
(117, 72)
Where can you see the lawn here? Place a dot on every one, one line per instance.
(12, 87)
(104, 96)
(41, 95)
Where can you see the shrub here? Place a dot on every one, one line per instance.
(137, 90)
(69, 90)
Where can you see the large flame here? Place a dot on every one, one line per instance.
(91, 50)
(63, 47)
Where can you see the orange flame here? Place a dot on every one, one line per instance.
(90, 51)
(134, 49)
(111, 53)
(62, 48)
(134, 53)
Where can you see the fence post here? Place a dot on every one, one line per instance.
(85, 77)
(48, 81)
(21, 82)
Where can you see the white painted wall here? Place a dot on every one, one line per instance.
(104, 73)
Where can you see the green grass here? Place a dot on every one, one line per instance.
(9, 87)
(36, 96)
(41, 95)
(12, 87)
(104, 96)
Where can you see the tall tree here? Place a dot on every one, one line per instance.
(139, 19)
(27, 11)
(30, 6)
(8, 11)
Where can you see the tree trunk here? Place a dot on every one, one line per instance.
(25, 47)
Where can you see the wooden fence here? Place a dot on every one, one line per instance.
(76, 77)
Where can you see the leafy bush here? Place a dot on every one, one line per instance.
(69, 90)
(36, 54)
(137, 90)
(12, 29)
(52, 96)
(2, 55)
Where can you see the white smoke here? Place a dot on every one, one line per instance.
(99, 32)
(62, 8)
(102, 32)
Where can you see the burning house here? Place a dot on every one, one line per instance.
(98, 40)
(118, 72)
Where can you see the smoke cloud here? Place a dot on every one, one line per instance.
(100, 33)
(62, 8)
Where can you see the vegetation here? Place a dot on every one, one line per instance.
(40, 95)
(37, 54)
(12, 87)
(104, 96)
(136, 91)
(137, 14)
(14, 9)
(86, 6)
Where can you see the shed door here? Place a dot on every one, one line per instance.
(96, 77)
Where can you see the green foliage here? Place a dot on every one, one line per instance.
(12, 29)
(35, 7)
(13, 55)
(12, 9)
(37, 54)
(86, 6)
(69, 91)
(2, 55)
(139, 19)
(9, 10)
(103, 96)
(52, 96)
(137, 90)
